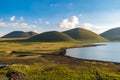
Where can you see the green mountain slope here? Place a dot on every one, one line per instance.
(31, 33)
(84, 35)
(19, 34)
(16, 34)
(112, 34)
(52, 36)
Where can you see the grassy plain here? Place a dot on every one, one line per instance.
(40, 61)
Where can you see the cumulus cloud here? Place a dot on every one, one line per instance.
(94, 28)
(3, 24)
(17, 23)
(22, 25)
(2, 33)
(36, 30)
(47, 23)
(12, 18)
(21, 18)
(74, 22)
(69, 23)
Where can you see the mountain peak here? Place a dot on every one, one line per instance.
(112, 34)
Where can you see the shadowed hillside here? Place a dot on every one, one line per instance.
(19, 34)
(84, 35)
(31, 33)
(16, 34)
(52, 36)
(112, 34)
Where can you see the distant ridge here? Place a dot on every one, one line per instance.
(84, 35)
(19, 34)
(77, 34)
(52, 36)
(112, 34)
(31, 33)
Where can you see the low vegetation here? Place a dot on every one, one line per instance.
(19, 34)
(84, 35)
(40, 61)
(52, 36)
(112, 34)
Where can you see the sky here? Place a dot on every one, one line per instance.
(48, 15)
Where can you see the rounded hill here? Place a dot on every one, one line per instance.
(16, 34)
(84, 35)
(31, 33)
(52, 36)
(112, 34)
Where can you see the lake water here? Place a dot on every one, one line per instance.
(109, 52)
(1, 65)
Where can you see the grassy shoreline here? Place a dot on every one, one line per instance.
(52, 66)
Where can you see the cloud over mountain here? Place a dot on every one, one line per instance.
(75, 23)
(18, 23)
(94, 28)
(12, 18)
(69, 23)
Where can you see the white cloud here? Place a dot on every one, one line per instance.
(94, 28)
(22, 25)
(47, 23)
(3, 24)
(36, 30)
(21, 18)
(17, 24)
(2, 33)
(40, 21)
(69, 23)
(74, 23)
(12, 18)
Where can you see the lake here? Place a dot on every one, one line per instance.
(2, 65)
(109, 52)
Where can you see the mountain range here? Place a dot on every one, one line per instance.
(112, 34)
(19, 34)
(76, 34)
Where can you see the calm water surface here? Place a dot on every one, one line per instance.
(108, 52)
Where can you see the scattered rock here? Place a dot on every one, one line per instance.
(62, 52)
(15, 52)
(14, 75)
(47, 70)
(2, 66)
(8, 51)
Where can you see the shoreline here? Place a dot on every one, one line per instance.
(73, 60)
(92, 45)
(59, 65)
(23, 60)
(94, 60)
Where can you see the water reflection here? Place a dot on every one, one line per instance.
(108, 52)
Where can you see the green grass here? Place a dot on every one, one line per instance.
(112, 34)
(58, 72)
(52, 36)
(37, 46)
(47, 66)
(84, 35)
(19, 34)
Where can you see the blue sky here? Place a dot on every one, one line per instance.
(45, 15)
